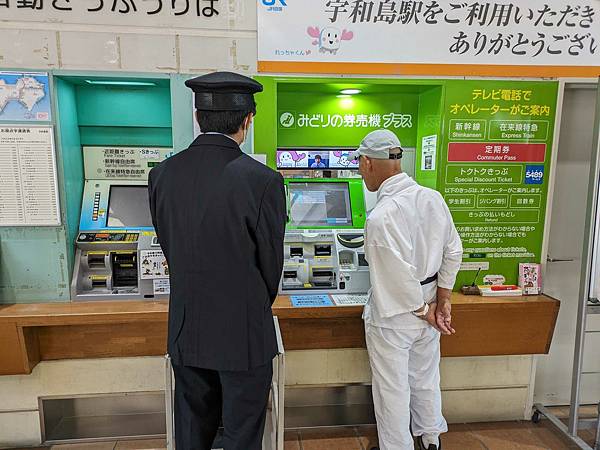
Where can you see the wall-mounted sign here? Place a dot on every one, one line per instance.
(123, 163)
(428, 152)
(289, 119)
(338, 36)
(496, 186)
(24, 97)
(153, 13)
(28, 183)
(331, 119)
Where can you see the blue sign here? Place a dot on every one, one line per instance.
(24, 97)
(534, 174)
(274, 2)
(311, 301)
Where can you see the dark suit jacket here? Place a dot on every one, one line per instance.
(220, 219)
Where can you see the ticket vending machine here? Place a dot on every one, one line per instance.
(117, 254)
(324, 242)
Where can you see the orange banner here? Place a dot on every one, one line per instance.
(429, 69)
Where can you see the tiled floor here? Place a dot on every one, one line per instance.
(486, 436)
(492, 436)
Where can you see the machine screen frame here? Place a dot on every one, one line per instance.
(357, 202)
(110, 198)
(96, 198)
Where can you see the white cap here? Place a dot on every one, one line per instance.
(377, 145)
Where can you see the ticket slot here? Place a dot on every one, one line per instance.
(96, 260)
(124, 269)
(322, 250)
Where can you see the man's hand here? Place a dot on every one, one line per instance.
(430, 317)
(443, 312)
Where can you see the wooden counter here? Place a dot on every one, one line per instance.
(30, 333)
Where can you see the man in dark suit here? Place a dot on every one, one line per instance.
(220, 219)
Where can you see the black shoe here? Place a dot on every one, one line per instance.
(421, 446)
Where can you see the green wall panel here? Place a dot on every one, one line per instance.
(265, 122)
(33, 265)
(430, 124)
(123, 106)
(69, 144)
(126, 136)
(181, 113)
(310, 96)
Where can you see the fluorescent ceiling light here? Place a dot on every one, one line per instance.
(350, 91)
(121, 83)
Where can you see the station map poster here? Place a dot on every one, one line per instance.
(28, 182)
(494, 174)
(24, 97)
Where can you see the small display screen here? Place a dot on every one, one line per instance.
(315, 159)
(128, 207)
(319, 204)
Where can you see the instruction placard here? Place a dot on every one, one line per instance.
(153, 265)
(162, 286)
(28, 183)
(311, 301)
(428, 152)
(123, 163)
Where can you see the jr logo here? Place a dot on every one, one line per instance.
(274, 2)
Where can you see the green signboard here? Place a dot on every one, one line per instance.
(317, 120)
(496, 152)
(485, 145)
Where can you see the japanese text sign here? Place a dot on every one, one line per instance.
(149, 13)
(494, 175)
(447, 32)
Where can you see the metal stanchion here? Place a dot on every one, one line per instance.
(272, 440)
(170, 417)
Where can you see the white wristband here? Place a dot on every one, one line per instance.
(424, 312)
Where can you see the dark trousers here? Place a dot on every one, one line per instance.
(205, 397)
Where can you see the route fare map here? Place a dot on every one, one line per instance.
(24, 97)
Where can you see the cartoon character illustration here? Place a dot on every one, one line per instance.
(344, 159)
(329, 39)
(289, 158)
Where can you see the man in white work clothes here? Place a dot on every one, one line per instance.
(414, 253)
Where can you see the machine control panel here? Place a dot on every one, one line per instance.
(108, 237)
(324, 261)
(96, 209)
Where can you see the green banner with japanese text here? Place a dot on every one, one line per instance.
(495, 168)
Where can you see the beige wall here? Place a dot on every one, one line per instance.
(173, 45)
(474, 389)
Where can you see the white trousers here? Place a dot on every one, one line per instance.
(406, 384)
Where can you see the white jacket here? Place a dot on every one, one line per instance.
(410, 236)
